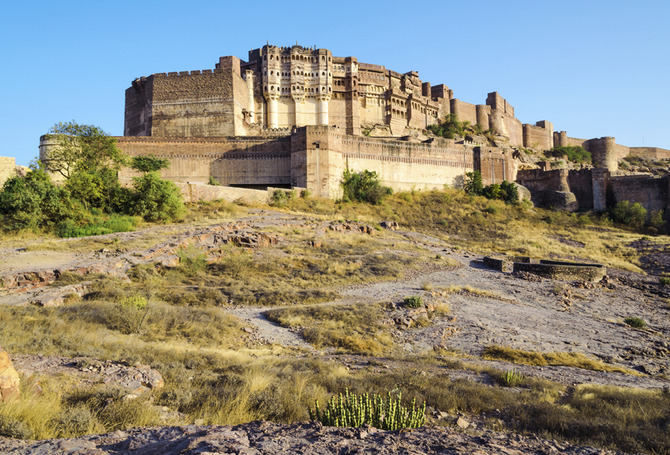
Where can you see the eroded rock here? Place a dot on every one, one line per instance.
(9, 378)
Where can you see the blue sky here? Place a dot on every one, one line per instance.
(593, 68)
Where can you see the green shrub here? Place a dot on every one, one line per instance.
(573, 153)
(350, 410)
(414, 301)
(279, 197)
(363, 187)
(664, 280)
(156, 199)
(636, 322)
(192, 260)
(633, 215)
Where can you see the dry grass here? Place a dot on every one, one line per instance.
(292, 273)
(349, 328)
(513, 230)
(568, 359)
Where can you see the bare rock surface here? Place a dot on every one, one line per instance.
(265, 438)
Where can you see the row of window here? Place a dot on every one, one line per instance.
(294, 57)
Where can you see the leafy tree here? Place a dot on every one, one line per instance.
(363, 187)
(82, 148)
(472, 184)
(149, 163)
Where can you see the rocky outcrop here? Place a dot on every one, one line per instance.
(9, 378)
(271, 438)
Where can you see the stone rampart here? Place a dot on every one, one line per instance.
(652, 152)
(650, 192)
(7, 168)
(248, 161)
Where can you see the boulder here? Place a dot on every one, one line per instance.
(9, 378)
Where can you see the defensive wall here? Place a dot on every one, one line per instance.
(314, 157)
(595, 189)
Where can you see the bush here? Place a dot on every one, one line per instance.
(156, 199)
(279, 198)
(573, 153)
(413, 302)
(664, 280)
(638, 323)
(363, 187)
(350, 410)
(633, 215)
(33, 202)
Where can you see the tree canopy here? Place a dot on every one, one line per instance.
(82, 148)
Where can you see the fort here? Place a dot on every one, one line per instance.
(299, 116)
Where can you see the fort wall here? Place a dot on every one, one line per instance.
(243, 161)
(652, 152)
(539, 136)
(650, 192)
(7, 168)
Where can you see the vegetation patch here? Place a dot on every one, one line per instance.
(568, 359)
(349, 328)
(636, 322)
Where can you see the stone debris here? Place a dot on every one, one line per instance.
(309, 438)
(134, 380)
(9, 378)
(342, 226)
(390, 225)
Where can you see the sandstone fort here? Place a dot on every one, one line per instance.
(298, 117)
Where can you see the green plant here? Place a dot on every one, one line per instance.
(192, 260)
(512, 378)
(363, 186)
(213, 181)
(633, 215)
(414, 301)
(149, 163)
(636, 322)
(350, 410)
(472, 183)
(574, 153)
(156, 199)
(664, 280)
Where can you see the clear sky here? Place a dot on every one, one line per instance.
(593, 68)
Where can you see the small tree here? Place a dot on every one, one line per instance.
(82, 148)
